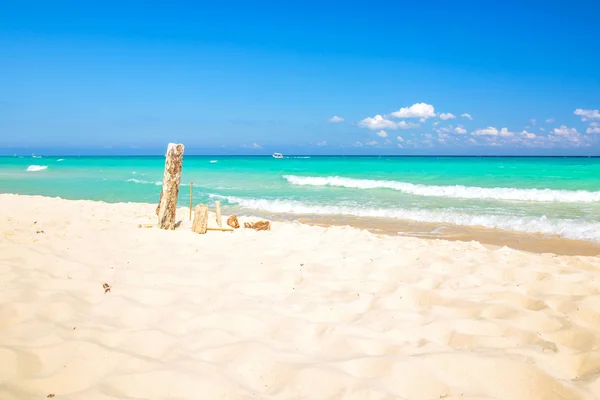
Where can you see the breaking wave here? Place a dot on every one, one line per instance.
(157, 183)
(573, 229)
(456, 191)
(35, 168)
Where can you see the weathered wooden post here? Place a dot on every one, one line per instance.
(218, 212)
(200, 219)
(167, 207)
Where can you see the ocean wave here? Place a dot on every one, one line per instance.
(60, 159)
(35, 168)
(157, 183)
(213, 161)
(457, 191)
(572, 229)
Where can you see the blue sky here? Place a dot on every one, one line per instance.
(257, 77)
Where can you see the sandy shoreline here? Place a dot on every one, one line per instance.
(298, 312)
(491, 238)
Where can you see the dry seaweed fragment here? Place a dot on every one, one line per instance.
(258, 226)
(233, 222)
(106, 287)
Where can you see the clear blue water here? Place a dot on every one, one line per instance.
(547, 195)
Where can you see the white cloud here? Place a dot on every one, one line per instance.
(428, 135)
(335, 119)
(563, 130)
(472, 141)
(594, 124)
(382, 133)
(532, 121)
(542, 129)
(593, 130)
(400, 146)
(491, 131)
(372, 143)
(418, 110)
(322, 143)
(550, 120)
(400, 139)
(460, 130)
(587, 114)
(379, 122)
(467, 116)
(405, 125)
(388, 141)
(358, 144)
(528, 135)
(445, 116)
(436, 123)
(254, 146)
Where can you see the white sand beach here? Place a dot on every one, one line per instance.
(298, 312)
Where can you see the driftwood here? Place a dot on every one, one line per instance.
(220, 229)
(159, 201)
(145, 225)
(218, 211)
(258, 226)
(233, 222)
(200, 223)
(167, 207)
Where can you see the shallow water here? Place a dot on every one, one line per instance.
(553, 195)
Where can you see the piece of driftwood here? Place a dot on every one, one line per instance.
(218, 211)
(220, 229)
(159, 201)
(167, 207)
(200, 223)
(145, 225)
(232, 221)
(258, 226)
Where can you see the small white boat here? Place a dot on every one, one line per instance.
(277, 155)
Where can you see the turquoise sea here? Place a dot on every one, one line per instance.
(546, 195)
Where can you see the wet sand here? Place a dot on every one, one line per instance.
(492, 238)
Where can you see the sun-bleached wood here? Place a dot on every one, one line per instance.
(220, 229)
(167, 206)
(200, 223)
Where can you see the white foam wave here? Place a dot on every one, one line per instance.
(60, 159)
(213, 161)
(573, 229)
(35, 168)
(457, 191)
(157, 183)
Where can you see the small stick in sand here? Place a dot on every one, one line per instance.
(218, 211)
(191, 184)
(220, 229)
(106, 287)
